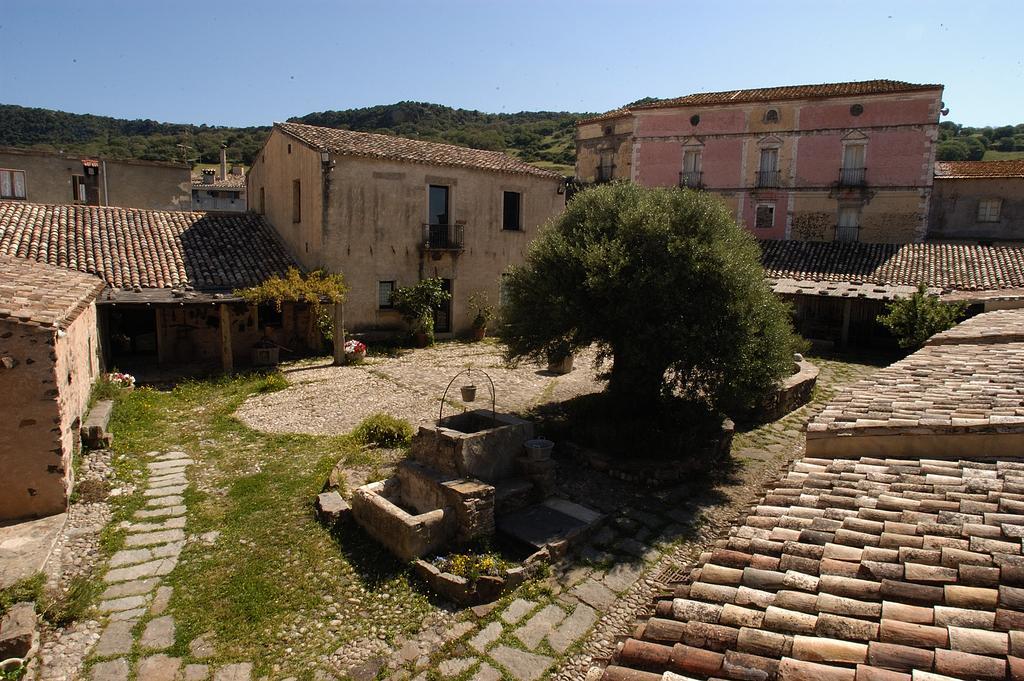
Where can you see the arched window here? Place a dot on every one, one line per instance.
(771, 116)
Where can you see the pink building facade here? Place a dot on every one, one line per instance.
(843, 161)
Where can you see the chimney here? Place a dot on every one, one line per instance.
(208, 175)
(223, 161)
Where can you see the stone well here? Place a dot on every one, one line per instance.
(445, 492)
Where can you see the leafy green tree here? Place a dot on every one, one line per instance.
(666, 284)
(975, 148)
(952, 150)
(915, 319)
(418, 302)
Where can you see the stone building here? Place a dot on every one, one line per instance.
(48, 363)
(830, 162)
(978, 201)
(387, 211)
(170, 278)
(48, 177)
(220, 190)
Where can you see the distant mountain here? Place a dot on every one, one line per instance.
(542, 137)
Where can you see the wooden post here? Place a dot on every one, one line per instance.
(163, 340)
(226, 355)
(844, 337)
(339, 334)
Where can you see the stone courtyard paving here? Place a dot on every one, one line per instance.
(328, 400)
(216, 568)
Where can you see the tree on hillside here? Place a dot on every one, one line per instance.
(666, 284)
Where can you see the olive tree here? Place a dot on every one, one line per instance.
(668, 287)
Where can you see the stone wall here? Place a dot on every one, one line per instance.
(954, 209)
(129, 183)
(45, 381)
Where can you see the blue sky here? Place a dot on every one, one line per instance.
(256, 61)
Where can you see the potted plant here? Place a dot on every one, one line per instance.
(417, 304)
(483, 313)
(560, 358)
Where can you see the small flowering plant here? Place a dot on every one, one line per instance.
(121, 380)
(354, 347)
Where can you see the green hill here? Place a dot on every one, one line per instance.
(542, 137)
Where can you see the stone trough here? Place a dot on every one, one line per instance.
(462, 479)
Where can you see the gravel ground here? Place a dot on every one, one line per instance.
(328, 400)
(76, 554)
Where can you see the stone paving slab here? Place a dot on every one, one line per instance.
(517, 610)
(595, 594)
(126, 603)
(158, 668)
(158, 634)
(25, 546)
(154, 568)
(538, 626)
(234, 672)
(573, 628)
(485, 637)
(116, 639)
(111, 670)
(148, 538)
(522, 665)
(163, 502)
(196, 672)
(160, 512)
(141, 586)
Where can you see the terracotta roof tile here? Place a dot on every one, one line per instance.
(143, 249)
(976, 169)
(950, 267)
(371, 145)
(901, 615)
(779, 93)
(38, 294)
(229, 182)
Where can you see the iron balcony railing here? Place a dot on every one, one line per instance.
(443, 237)
(847, 233)
(605, 173)
(852, 177)
(694, 179)
(769, 178)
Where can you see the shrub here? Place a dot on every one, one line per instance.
(472, 566)
(915, 319)
(483, 311)
(383, 430)
(667, 285)
(418, 302)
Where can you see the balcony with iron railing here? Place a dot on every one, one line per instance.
(768, 179)
(852, 177)
(694, 179)
(846, 233)
(443, 237)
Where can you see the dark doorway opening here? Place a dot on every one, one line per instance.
(132, 333)
(443, 314)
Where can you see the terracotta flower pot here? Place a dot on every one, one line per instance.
(479, 332)
(468, 393)
(420, 339)
(563, 366)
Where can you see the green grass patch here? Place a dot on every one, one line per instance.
(273, 570)
(29, 589)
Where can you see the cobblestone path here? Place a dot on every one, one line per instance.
(134, 601)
